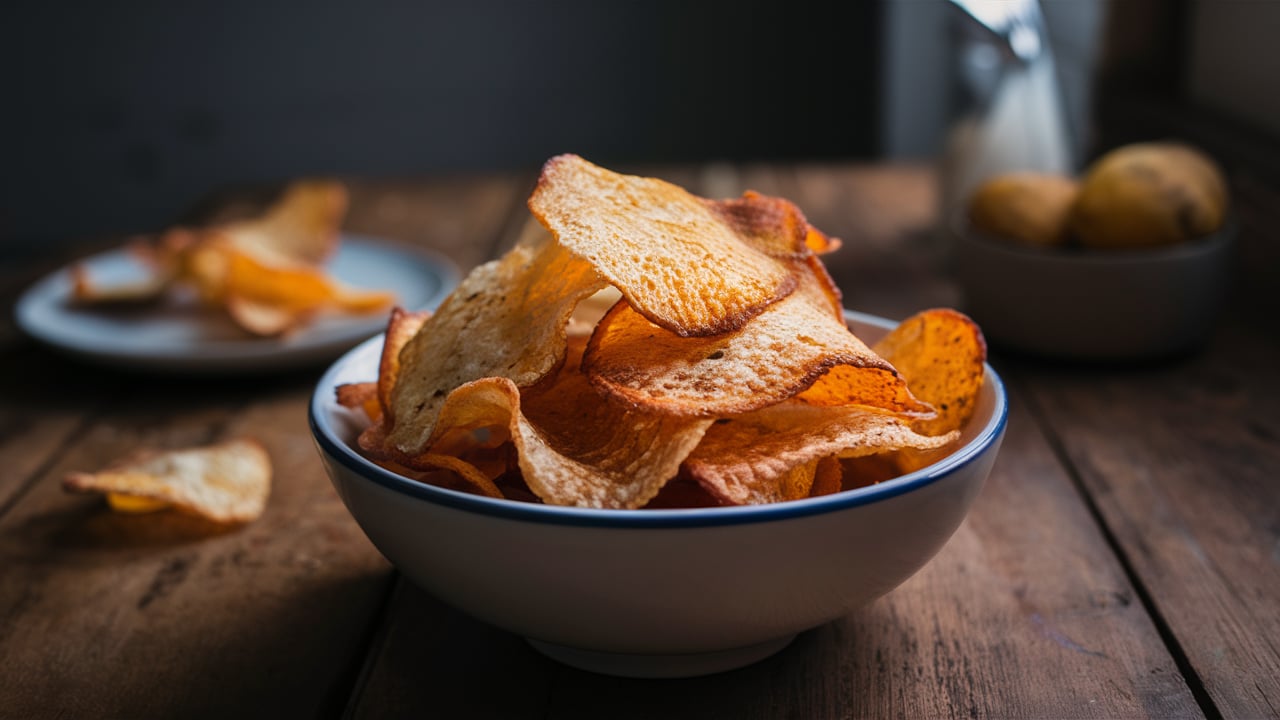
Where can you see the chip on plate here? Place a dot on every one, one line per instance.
(266, 272)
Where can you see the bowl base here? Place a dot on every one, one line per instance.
(660, 666)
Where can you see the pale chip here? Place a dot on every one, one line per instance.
(506, 319)
(678, 262)
(227, 483)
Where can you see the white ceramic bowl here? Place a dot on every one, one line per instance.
(656, 593)
(1094, 305)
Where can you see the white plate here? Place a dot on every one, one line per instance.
(183, 337)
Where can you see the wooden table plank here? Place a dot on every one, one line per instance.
(1181, 461)
(44, 399)
(984, 630)
(111, 615)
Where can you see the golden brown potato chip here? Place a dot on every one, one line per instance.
(575, 448)
(274, 299)
(941, 353)
(749, 457)
(228, 482)
(648, 236)
(775, 356)
(506, 319)
(302, 226)
(401, 327)
(465, 470)
(772, 225)
(360, 396)
(295, 287)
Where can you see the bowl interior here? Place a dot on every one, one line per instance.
(335, 429)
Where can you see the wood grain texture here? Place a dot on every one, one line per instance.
(1181, 460)
(109, 615)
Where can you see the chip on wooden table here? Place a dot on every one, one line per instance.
(228, 482)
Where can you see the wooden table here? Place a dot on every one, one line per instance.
(1123, 559)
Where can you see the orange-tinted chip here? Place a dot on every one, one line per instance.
(941, 353)
(772, 358)
(362, 396)
(772, 225)
(679, 263)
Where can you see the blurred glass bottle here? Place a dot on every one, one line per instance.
(1007, 110)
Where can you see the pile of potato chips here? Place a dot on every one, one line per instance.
(266, 272)
(722, 374)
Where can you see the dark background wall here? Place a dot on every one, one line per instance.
(117, 115)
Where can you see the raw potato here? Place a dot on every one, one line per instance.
(1029, 208)
(1149, 195)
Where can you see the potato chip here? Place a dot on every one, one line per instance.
(777, 355)
(646, 236)
(941, 353)
(575, 448)
(772, 225)
(360, 396)
(228, 482)
(265, 271)
(751, 457)
(302, 226)
(401, 327)
(506, 319)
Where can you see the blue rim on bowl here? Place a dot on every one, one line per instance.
(333, 445)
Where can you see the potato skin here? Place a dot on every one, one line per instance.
(1025, 207)
(1149, 195)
